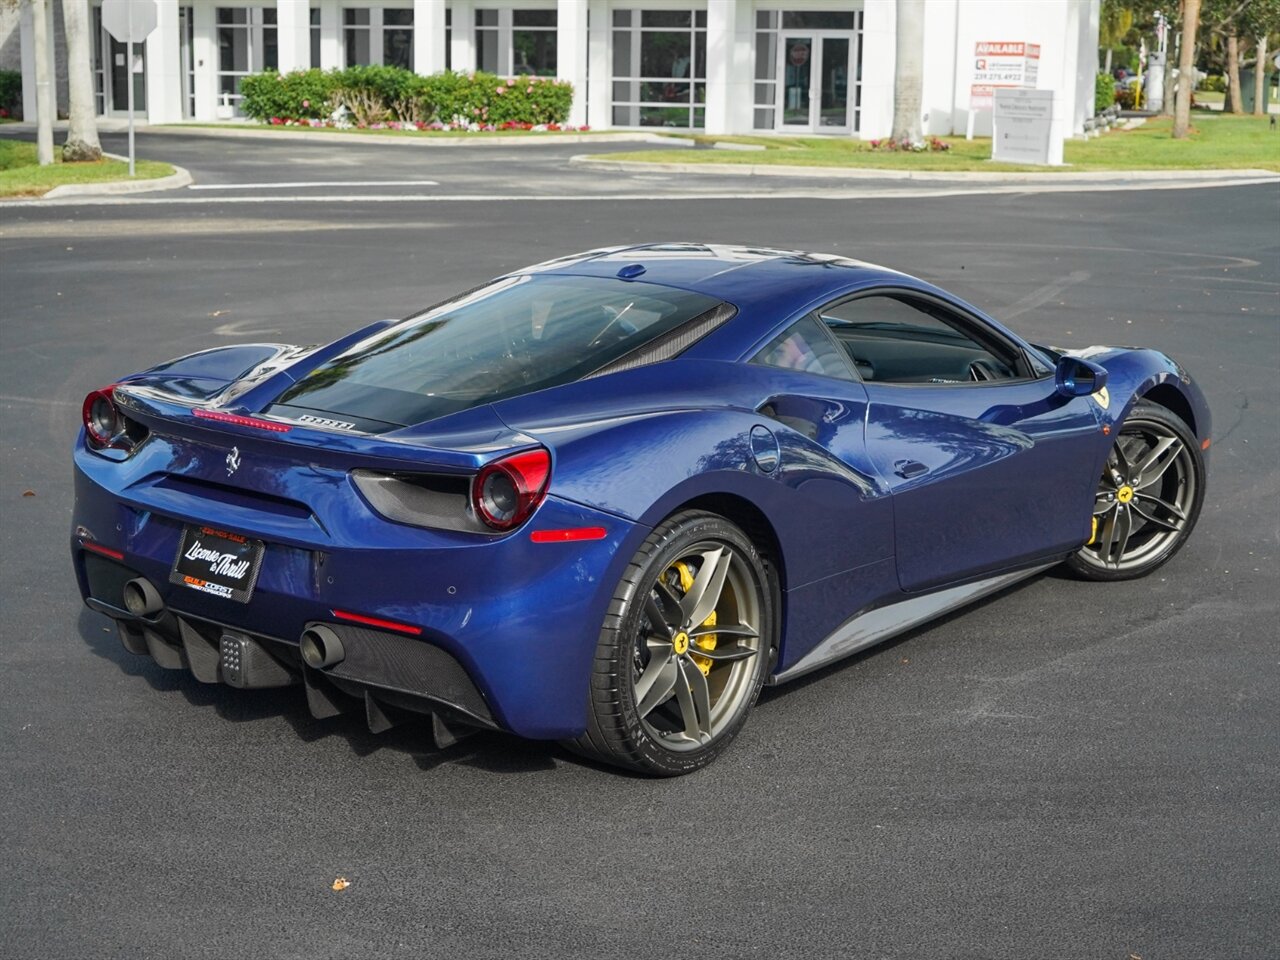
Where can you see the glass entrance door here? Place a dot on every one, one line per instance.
(119, 74)
(833, 106)
(797, 80)
(813, 74)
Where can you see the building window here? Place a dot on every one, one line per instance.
(659, 68)
(378, 35)
(533, 43)
(246, 44)
(315, 36)
(448, 39)
(356, 36)
(397, 38)
(516, 42)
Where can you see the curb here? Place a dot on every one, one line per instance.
(179, 178)
(246, 132)
(862, 173)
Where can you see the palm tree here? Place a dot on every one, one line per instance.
(82, 133)
(1114, 24)
(1186, 65)
(908, 80)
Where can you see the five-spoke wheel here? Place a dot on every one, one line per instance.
(1147, 500)
(684, 650)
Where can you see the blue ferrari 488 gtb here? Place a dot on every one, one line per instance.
(606, 498)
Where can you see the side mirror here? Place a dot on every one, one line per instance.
(1078, 378)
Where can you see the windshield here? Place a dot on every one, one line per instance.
(511, 337)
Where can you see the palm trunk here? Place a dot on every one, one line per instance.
(1233, 103)
(1186, 61)
(45, 103)
(1260, 78)
(1166, 108)
(908, 80)
(82, 133)
(1107, 68)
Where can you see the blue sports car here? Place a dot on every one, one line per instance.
(607, 498)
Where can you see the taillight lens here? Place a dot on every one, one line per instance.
(105, 426)
(102, 420)
(507, 491)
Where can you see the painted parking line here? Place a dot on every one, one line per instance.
(303, 184)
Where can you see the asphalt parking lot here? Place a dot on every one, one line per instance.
(1067, 770)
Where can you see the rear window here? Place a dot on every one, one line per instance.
(511, 337)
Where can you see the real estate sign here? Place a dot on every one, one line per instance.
(999, 64)
(1026, 127)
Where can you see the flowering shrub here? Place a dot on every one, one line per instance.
(456, 124)
(375, 96)
(904, 145)
(302, 94)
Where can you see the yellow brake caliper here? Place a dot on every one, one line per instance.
(709, 641)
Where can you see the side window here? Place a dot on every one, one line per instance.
(901, 339)
(806, 347)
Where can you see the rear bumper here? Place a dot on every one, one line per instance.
(508, 627)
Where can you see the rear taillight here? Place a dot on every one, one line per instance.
(105, 427)
(505, 492)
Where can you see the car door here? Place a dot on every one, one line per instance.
(988, 466)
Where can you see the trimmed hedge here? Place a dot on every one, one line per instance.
(377, 94)
(1104, 92)
(10, 92)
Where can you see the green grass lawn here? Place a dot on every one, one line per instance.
(21, 176)
(1216, 142)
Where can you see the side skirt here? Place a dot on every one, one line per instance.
(873, 626)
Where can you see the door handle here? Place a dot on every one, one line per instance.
(907, 469)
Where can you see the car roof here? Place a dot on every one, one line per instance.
(742, 274)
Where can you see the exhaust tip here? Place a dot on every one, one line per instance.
(141, 598)
(321, 647)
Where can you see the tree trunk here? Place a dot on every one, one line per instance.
(82, 134)
(1260, 78)
(1107, 68)
(45, 104)
(1233, 102)
(1166, 108)
(1186, 63)
(908, 80)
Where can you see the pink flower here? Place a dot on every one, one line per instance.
(306, 104)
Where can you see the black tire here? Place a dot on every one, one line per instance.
(1144, 513)
(634, 654)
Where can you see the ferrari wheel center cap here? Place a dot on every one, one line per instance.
(681, 643)
(1124, 494)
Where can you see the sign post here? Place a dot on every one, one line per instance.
(130, 22)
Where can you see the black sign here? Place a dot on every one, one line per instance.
(218, 563)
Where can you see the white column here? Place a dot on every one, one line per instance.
(204, 51)
(428, 36)
(879, 36)
(571, 54)
(330, 35)
(293, 34)
(938, 94)
(28, 38)
(463, 48)
(599, 67)
(164, 66)
(730, 70)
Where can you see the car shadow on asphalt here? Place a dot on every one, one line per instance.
(489, 751)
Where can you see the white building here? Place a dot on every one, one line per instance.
(723, 66)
